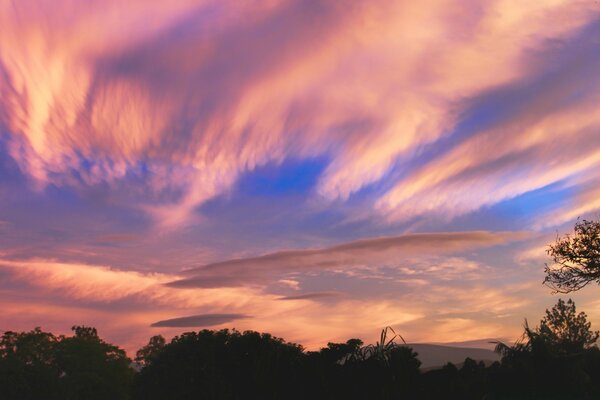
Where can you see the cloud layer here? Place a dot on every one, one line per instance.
(370, 163)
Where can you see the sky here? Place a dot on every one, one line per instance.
(317, 170)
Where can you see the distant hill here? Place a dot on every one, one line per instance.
(432, 355)
(489, 343)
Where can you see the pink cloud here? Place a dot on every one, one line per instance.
(163, 84)
(135, 300)
(345, 257)
(537, 147)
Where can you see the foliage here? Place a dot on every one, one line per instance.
(556, 360)
(561, 350)
(91, 368)
(220, 364)
(561, 332)
(382, 350)
(565, 331)
(147, 354)
(27, 365)
(576, 258)
(39, 365)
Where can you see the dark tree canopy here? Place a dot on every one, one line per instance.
(565, 330)
(562, 332)
(218, 365)
(147, 354)
(576, 258)
(91, 368)
(28, 369)
(39, 365)
(555, 361)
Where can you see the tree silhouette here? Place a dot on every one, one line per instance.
(565, 331)
(556, 360)
(561, 351)
(91, 368)
(147, 354)
(221, 365)
(576, 258)
(27, 366)
(561, 332)
(38, 365)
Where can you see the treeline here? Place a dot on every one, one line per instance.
(556, 360)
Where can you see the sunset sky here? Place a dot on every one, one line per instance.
(314, 169)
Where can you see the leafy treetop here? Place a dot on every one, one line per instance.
(576, 258)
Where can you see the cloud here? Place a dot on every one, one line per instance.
(359, 253)
(123, 238)
(311, 296)
(290, 283)
(104, 285)
(150, 99)
(60, 295)
(199, 320)
(114, 112)
(583, 203)
(545, 133)
(125, 304)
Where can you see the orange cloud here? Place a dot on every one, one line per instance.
(136, 300)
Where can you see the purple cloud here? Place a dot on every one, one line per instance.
(199, 320)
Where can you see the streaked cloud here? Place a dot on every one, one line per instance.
(199, 320)
(311, 296)
(539, 147)
(359, 253)
(155, 92)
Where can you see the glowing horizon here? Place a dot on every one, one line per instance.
(317, 171)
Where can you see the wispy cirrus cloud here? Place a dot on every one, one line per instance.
(159, 97)
(549, 137)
